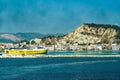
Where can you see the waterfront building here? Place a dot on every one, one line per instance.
(115, 47)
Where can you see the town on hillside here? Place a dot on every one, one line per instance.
(92, 36)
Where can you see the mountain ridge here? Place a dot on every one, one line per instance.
(87, 33)
(13, 37)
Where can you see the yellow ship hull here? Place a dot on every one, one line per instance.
(26, 52)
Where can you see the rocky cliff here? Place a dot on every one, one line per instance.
(93, 33)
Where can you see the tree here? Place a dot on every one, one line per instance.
(33, 42)
(27, 42)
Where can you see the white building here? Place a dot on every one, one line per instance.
(99, 47)
(115, 47)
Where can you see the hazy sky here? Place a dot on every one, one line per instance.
(55, 16)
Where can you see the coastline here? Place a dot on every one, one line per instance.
(57, 56)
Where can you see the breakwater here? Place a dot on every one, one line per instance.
(37, 56)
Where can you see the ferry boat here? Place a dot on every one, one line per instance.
(26, 51)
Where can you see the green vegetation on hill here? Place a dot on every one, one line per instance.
(105, 26)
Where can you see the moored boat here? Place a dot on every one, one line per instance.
(25, 51)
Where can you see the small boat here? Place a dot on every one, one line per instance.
(26, 51)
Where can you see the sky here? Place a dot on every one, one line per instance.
(55, 16)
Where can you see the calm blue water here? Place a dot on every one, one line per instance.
(60, 68)
(86, 53)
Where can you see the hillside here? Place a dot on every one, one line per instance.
(93, 33)
(7, 37)
(12, 37)
(29, 36)
(85, 34)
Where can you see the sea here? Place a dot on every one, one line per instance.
(62, 68)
